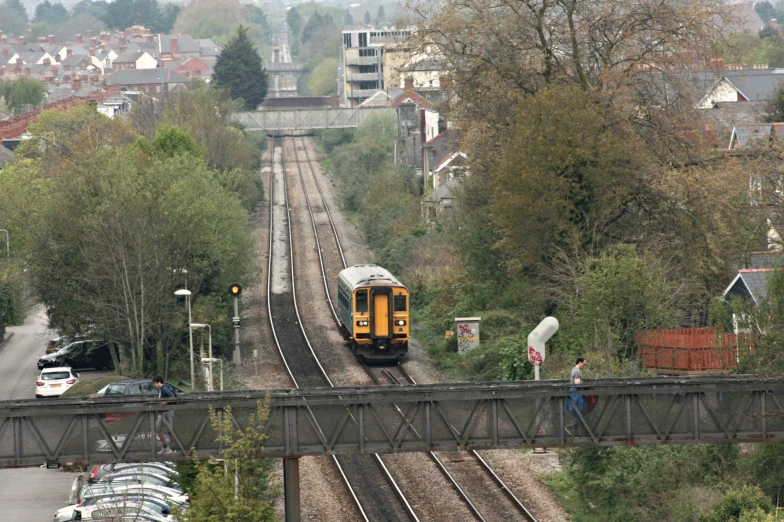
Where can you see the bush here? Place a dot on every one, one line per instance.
(11, 295)
(737, 503)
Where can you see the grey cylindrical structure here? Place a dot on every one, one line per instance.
(291, 488)
(237, 360)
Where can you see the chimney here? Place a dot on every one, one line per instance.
(55, 70)
(105, 37)
(47, 61)
(27, 71)
(19, 61)
(41, 39)
(18, 68)
(68, 52)
(101, 46)
(122, 49)
(89, 33)
(22, 40)
(51, 39)
(175, 46)
(409, 85)
(78, 38)
(93, 41)
(66, 78)
(150, 38)
(76, 85)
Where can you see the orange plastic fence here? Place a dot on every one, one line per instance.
(688, 349)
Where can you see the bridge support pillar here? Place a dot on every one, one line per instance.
(291, 488)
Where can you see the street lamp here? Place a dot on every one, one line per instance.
(218, 360)
(210, 385)
(7, 243)
(187, 294)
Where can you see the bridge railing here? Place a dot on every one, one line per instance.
(403, 419)
(307, 119)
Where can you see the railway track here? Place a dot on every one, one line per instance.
(374, 490)
(467, 472)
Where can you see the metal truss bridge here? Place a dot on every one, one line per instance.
(306, 120)
(392, 419)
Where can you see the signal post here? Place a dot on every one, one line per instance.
(235, 290)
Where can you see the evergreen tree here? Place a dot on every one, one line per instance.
(50, 13)
(367, 17)
(315, 23)
(16, 6)
(240, 70)
(294, 21)
(348, 20)
(381, 16)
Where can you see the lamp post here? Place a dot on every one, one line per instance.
(187, 294)
(217, 360)
(210, 386)
(7, 243)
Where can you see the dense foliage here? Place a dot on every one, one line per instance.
(22, 93)
(109, 222)
(240, 71)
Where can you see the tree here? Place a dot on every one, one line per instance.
(240, 70)
(49, 13)
(239, 486)
(774, 107)
(367, 17)
(125, 13)
(294, 21)
(96, 9)
(737, 504)
(348, 20)
(14, 19)
(323, 81)
(214, 19)
(380, 16)
(22, 93)
(5, 113)
(79, 24)
(766, 11)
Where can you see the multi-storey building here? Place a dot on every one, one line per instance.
(371, 62)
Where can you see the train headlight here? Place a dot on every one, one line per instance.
(400, 322)
(362, 323)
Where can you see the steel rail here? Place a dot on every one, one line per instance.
(269, 301)
(387, 475)
(482, 463)
(326, 206)
(488, 469)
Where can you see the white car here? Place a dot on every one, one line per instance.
(131, 488)
(149, 508)
(53, 382)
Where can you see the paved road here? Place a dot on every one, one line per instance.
(31, 494)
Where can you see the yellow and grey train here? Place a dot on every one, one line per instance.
(373, 312)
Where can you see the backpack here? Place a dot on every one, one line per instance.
(591, 401)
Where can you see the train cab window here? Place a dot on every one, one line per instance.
(362, 301)
(400, 303)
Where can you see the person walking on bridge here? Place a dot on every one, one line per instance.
(165, 422)
(576, 403)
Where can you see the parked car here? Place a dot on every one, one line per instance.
(68, 512)
(122, 387)
(52, 382)
(131, 488)
(141, 477)
(105, 470)
(114, 508)
(80, 354)
(101, 470)
(132, 387)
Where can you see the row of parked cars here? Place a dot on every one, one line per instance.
(143, 492)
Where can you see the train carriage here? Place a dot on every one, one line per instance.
(373, 312)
